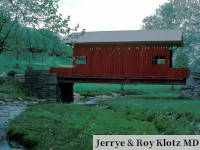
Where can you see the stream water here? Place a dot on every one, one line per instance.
(90, 100)
(8, 112)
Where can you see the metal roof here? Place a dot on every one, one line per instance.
(164, 37)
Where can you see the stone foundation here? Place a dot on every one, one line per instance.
(45, 83)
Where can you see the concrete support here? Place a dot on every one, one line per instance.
(66, 92)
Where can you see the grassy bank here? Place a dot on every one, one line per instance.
(168, 116)
(62, 126)
(15, 90)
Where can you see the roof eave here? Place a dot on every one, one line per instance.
(164, 43)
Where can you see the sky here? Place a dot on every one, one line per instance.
(108, 15)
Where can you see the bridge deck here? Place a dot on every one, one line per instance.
(163, 81)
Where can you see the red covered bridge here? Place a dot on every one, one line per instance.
(143, 56)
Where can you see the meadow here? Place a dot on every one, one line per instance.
(145, 109)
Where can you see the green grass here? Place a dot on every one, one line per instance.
(168, 116)
(92, 93)
(62, 126)
(138, 91)
(37, 62)
(180, 105)
(16, 90)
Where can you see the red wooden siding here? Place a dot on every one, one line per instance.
(122, 61)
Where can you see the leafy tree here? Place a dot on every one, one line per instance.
(181, 60)
(43, 41)
(183, 15)
(37, 15)
(16, 40)
(6, 26)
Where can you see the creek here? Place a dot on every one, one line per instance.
(8, 112)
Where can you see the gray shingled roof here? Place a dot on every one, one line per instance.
(165, 37)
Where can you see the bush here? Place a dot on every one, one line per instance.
(3, 80)
(16, 89)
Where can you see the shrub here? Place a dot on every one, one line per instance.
(3, 80)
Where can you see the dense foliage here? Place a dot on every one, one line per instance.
(22, 40)
(183, 15)
(40, 14)
(33, 27)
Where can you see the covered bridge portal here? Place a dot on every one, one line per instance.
(143, 56)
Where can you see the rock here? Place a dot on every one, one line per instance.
(105, 107)
(3, 74)
(20, 78)
(90, 104)
(42, 101)
(8, 100)
(3, 115)
(32, 103)
(2, 135)
(103, 96)
(19, 98)
(76, 94)
(115, 94)
(15, 102)
(21, 104)
(50, 100)
(26, 102)
(9, 103)
(2, 102)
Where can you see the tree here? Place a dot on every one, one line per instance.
(16, 40)
(183, 15)
(39, 14)
(181, 60)
(6, 26)
(36, 14)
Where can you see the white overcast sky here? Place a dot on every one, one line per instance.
(107, 15)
